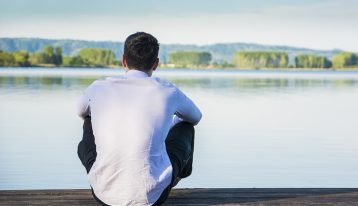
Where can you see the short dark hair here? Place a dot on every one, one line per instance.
(141, 51)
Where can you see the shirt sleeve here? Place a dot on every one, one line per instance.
(83, 107)
(186, 109)
(83, 104)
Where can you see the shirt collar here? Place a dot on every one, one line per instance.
(135, 73)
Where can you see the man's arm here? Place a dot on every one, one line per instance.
(83, 106)
(186, 109)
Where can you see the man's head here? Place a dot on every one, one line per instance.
(141, 52)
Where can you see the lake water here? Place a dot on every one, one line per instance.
(259, 128)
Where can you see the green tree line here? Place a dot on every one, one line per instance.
(345, 60)
(264, 59)
(94, 57)
(52, 56)
(190, 58)
(311, 61)
(253, 59)
(49, 56)
(280, 60)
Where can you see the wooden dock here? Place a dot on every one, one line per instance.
(204, 196)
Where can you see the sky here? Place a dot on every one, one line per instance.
(316, 24)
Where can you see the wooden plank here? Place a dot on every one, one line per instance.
(198, 196)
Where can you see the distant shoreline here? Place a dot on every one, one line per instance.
(222, 54)
(51, 56)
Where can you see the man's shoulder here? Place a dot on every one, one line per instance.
(105, 81)
(96, 85)
(164, 83)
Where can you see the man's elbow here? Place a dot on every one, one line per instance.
(81, 114)
(198, 118)
(83, 110)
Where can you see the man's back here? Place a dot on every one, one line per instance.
(131, 117)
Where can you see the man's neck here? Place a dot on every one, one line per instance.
(149, 73)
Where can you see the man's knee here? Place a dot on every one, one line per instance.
(81, 152)
(189, 127)
(87, 126)
(186, 125)
(86, 149)
(87, 155)
(183, 129)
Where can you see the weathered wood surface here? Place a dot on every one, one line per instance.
(204, 196)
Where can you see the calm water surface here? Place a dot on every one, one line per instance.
(259, 128)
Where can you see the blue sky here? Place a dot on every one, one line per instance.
(320, 24)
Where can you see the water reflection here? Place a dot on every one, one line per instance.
(68, 83)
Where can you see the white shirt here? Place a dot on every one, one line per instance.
(131, 117)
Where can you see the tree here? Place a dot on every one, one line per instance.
(117, 62)
(345, 59)
(6, 59)
(97, 57)
(21, 59)
(38, 58)
(184, 58)
(260, 59)
(312, 61)
(58, 56)
(49, 55)
(75, 61)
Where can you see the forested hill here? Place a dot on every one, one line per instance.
(220, 52)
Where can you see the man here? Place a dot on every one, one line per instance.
(138, 138)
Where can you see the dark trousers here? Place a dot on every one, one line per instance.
(179, 145)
